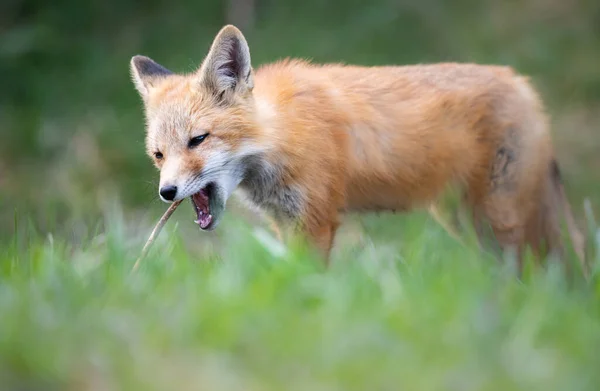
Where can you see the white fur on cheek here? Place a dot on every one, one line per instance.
(222, 167)
(219, 168)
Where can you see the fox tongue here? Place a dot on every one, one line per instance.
(201, 204)
(204, 219)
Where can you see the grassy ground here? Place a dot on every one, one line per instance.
(403, 306)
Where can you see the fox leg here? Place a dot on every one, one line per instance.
(506, 196)
(478, 225)
(322, 237)
(276, 229)
(552, 222)
(320, 232)
(435, 213)
(508, 220)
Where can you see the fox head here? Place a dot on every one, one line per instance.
(200, 127)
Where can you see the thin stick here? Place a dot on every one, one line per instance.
(161, 223)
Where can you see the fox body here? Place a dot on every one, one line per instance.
(308, 142)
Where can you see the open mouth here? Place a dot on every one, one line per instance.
(201, 203)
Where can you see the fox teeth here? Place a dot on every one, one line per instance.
(197, 221)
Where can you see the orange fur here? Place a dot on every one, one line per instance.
(342, 138)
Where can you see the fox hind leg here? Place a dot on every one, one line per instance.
(505, 201)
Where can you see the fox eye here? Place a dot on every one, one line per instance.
(158, 155)
(195, 141)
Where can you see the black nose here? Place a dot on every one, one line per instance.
(168, 192)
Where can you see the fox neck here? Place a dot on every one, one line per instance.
(265, 182)
(265, 187)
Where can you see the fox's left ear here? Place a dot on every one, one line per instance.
(227, 67)
(146, 74)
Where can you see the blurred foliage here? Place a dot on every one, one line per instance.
(388, 314)
(76, 189)
(71, 123)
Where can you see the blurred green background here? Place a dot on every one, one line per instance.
(412, 309)
(71, 123)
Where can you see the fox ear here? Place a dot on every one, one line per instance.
(146, 73)
(227, 67)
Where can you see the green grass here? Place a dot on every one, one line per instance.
(403, 306)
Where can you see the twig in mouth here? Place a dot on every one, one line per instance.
(161, 223)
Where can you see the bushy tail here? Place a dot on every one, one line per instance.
(577, 238)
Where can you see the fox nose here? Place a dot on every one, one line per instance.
(168, 193)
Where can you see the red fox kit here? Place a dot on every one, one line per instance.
(307, 142)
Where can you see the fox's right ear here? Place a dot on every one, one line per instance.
(227, 67)
(146, 74)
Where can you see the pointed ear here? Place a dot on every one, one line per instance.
(146, 74)
(227, 67)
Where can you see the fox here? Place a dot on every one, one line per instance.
(307, 143)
